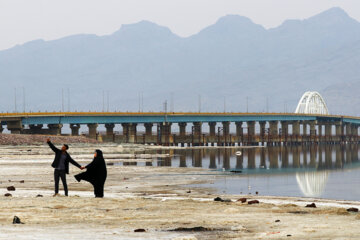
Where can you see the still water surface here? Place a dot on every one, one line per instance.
(324, 171)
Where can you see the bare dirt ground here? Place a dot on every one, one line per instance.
(156, 199)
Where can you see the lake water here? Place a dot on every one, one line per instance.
(322, 171)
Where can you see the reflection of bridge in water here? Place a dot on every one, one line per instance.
(259, 159)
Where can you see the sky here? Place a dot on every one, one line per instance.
(26, 20)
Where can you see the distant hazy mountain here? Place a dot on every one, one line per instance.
(233, 59)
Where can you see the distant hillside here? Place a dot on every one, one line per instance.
(234, 58)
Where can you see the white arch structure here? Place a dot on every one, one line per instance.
(312, 184)
(312, 103)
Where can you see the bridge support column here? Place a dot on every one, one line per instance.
(304, 133)
(339, 130)
(148, 129)
(296, 131)
(239, 132)
(320, 128)
(274, 134)
(262, 132)
(15, 127)
(126, 131)
(1, 128)
(328, 132)
(166, 138)
(348, 132)
(251, 132)
(110, 131)
(284, 131)
(197, 134)
(92, 130)
(74, 129)
(132, 132)
(55, 129)
(212, 130)
(36, 128)
(182, 132)
(226, 133)
(312, 131)
(355, 132)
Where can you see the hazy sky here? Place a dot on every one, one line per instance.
(25, 20)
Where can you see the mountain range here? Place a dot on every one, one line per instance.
(233, 65)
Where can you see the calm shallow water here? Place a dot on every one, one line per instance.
(325, 171)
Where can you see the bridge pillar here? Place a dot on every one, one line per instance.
(197, 134)
(212, 132)
(165, 129)
(15, 127)
(182, 129)
(1, 128)
(339, 130)
(74, 129)
(328, 127)
(305, 130)
(274, 131)
(320, 131)
(262, 132)
(239, 132)
(148, 129)
(110, 131)
(125, 127)
(92, 130)
(55, 129)
(226, 133)
(284, 131)
(251, 132)
(355, 132)
(296, 130)
(132, 132)
(36, 128)
(312, 130)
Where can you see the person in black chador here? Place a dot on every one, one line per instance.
(95, 174)
(61, 165)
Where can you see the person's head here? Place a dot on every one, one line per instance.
(98, 153)
(64, 147)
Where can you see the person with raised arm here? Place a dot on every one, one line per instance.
(61, 166)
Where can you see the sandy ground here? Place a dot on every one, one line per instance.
(156, 199)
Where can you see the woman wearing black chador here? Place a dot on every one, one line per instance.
(95, 174)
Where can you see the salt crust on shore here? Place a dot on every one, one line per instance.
(155, 199)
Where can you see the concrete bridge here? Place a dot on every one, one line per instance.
(250, 128)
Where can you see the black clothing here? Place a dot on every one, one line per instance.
(57, 175)
(61, 165)
(68, 159)
(95, 174)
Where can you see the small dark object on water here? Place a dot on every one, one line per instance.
(236, 171)
(218, 199)
(9, 180)
(7, 195)
(289, 235)
(39, 195)
(16, 220)
(312, 205)
(256, 192)
(110, 164)
(352, 209)
(243, 200)
(22, 181)
(226, 200)
(193, 229)
(188, 191)
(11, 188)
(277, 220)
(125, 178)
(253, 202)
(140, 230)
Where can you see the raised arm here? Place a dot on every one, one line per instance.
(55, 149)
(73, 162)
